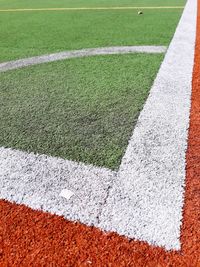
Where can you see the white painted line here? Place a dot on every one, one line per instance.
(89, 8)
(66, 194)
(37, 180)
(144, 199)
(10, 65)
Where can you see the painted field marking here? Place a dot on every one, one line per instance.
(144, 199)
(88, 8)
(10, 65)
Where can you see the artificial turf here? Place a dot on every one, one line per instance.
(25, 34)
(81, 109)
(86, 3)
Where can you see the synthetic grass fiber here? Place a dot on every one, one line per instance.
(89, 3)
(80, 109)
(25, 34)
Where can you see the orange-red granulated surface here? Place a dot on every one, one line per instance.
(33, 238)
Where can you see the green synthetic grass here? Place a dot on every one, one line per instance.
(80, 109)
(86, 3)
(35, 33)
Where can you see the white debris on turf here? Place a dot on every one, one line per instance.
(66, 194)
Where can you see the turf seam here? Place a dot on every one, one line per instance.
(105, 201)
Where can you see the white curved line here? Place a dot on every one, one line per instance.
(15, 64)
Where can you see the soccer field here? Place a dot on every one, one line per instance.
(79, 109)
(99, 139)
(29, 33)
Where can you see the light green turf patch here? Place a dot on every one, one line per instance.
(29, 34)
(86, 3)
(81, 109)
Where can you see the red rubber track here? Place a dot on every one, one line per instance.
(34, 238)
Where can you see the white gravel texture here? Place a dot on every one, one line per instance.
(144, 200)
(20, 63)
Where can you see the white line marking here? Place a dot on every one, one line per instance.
(144, 199)
(37, 180)
(88, 8)
(10, 65)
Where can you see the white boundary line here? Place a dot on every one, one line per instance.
(89, 8)
(10, 65)
(144, 199)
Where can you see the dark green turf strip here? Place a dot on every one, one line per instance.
(35, 33)
(81, 109)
